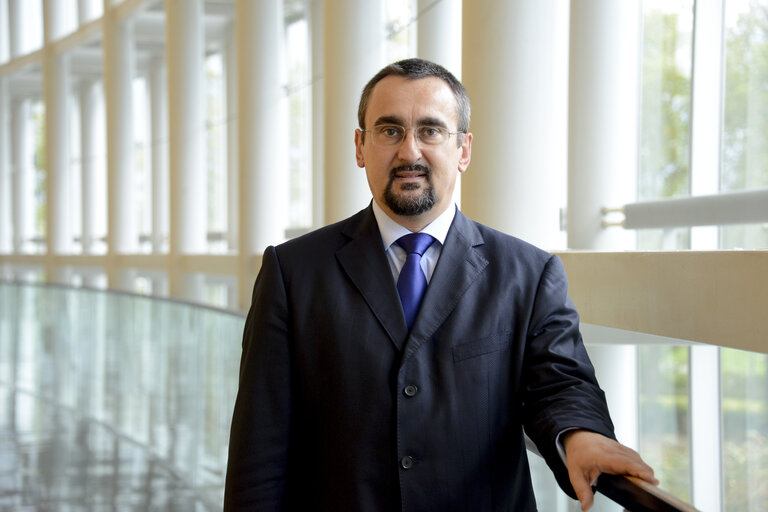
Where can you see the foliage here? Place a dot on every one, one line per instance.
(666, 110)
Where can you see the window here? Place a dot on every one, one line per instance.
(744, 148)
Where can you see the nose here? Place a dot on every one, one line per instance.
(409, 149)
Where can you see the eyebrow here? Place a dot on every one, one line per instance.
(425, 121)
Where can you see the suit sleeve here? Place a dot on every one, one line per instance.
(258, 445)
(560, 388)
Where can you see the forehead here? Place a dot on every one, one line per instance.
(412, 100)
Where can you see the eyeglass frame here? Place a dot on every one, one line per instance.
(415, 131)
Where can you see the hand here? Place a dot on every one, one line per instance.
(588, 454)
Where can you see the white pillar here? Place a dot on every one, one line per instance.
(6, 196)
(186, 130)
(233, 161)
(21, 174)
(86, 11)
(515, 68)
(318, 118)
(263, 186)
(118, 76)
(56, 98)
(354, 52)
(15, 28)
(88, 162)
(5, 43)
(439, 33)
(158, 100)
(604, 99)
(56, 95)
(439, 40)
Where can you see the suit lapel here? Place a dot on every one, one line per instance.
(365, 263)
(460, 264)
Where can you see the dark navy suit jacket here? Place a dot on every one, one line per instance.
(340, 408)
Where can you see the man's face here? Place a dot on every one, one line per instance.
(412, 181)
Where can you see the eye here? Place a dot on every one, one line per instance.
(430, 132)
(392, 132)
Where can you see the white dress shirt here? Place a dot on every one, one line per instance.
(391, 231)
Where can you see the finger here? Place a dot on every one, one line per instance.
(583, 490)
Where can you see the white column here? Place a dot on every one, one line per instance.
(158, 100)
(439, 33)
(439, 40)
(15, 28)
(233, 178)
(262, 129)
(604, 99)
(318, 117)
(56, 95)
(515, 68)
(354, 52)
(89, 164)
(21, 174)
(86, 11)
(188, 212)
(56, 98)
(118, 75)
(5, 43)
(6, 196)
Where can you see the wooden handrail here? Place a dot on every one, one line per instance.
(637, 495)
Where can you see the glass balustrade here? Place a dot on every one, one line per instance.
(119, 401)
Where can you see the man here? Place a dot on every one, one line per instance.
(356, 394)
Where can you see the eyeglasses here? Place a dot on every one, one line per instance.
(393, 134)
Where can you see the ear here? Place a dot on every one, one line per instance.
(465, 152)
(359, 148)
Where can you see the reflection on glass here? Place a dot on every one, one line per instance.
(113, 401)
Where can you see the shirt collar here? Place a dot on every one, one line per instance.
(391, 230)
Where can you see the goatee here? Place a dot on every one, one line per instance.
(410, 204)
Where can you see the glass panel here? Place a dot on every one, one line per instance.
(663, 400)
(664, 169)
(113, 401)
(745, 429)
(745, 152)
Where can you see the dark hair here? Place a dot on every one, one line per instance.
(413, 69)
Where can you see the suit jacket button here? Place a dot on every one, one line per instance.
(411, 390)
(406, 462)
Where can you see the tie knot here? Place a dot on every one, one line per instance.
(415, 243)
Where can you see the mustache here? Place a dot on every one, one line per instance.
(413, 167)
